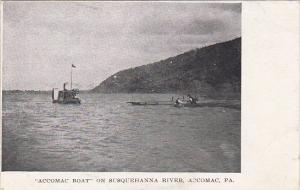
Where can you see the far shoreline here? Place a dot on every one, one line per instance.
(232, 95)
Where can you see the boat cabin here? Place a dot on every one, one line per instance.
(65, 96)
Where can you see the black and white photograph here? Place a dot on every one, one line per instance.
(121, 86)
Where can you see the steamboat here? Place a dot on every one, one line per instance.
(66, 96)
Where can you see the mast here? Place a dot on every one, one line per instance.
(72, 66)
(71, 76)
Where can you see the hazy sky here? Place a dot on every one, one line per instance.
(43, 39)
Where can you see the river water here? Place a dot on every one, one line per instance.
(106, 134)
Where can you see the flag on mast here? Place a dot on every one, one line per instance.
(73, 66)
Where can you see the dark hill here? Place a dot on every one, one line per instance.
(212, 70)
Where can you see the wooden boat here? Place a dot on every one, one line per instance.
(184, 103)
(210, 104)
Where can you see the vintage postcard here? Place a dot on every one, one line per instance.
(149, 95)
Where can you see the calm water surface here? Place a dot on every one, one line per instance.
(105, 133)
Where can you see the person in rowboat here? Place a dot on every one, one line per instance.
(191, 99)
(178, 101)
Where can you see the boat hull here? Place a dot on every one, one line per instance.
(68, 101)
(210, 104)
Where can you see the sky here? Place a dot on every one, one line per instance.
(42, 39)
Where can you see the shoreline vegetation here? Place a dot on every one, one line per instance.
(211, 71)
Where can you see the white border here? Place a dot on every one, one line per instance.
(270, 112)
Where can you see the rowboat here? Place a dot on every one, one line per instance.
(188, 104)
(209, 104)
